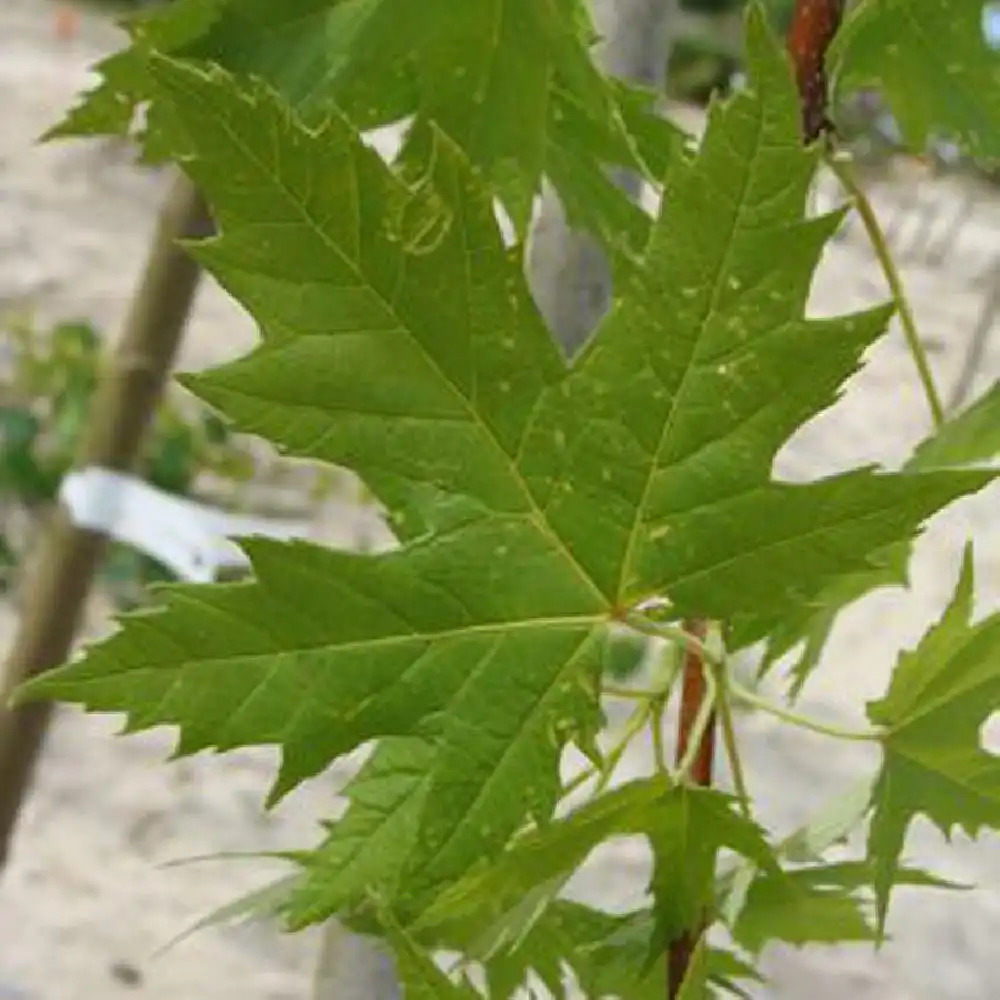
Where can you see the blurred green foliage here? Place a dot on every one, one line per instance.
(708, 53)
(624, 653)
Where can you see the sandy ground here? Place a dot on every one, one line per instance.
(86, 899)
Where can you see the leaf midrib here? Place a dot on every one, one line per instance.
(570, 622)
(668, 425)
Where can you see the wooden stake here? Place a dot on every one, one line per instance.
(57, 586)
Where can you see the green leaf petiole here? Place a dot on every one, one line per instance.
(794, 718)
(840, 165)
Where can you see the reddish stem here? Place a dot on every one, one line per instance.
(694, 690)
(66, 22)
(814, 24)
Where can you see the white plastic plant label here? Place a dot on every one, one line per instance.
(189, 538)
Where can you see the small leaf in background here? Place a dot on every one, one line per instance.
(831, 824)
(368, 848)
(971, 437)
(20, 472)
(215, 429)
(75, 344)
(933, 762)
(70, 365)
(170, 466)
(122, 567)
(420, 977)
(557, 849)
(693, 826)
(932, 60)
(607, 954)
(8, 563)
(822, 903)
(623, 655)
(18, 429)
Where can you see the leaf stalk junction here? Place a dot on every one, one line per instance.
(708, 692)
(722, 689)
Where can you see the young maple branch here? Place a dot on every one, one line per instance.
(695, 753)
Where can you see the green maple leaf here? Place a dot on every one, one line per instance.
(607, 953)
(578, 150)
(534, 501)
(510, 80)
(813, 622)
(830, 825)
(420, 977)
(933, 761)
(581, 937)
(812, 900)
(969, 438)
(368, 848)
(821, 903)
(110, 107)
(694, 826)
(555, 851)
(933, 63)
(685, 829)
(490, 74)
